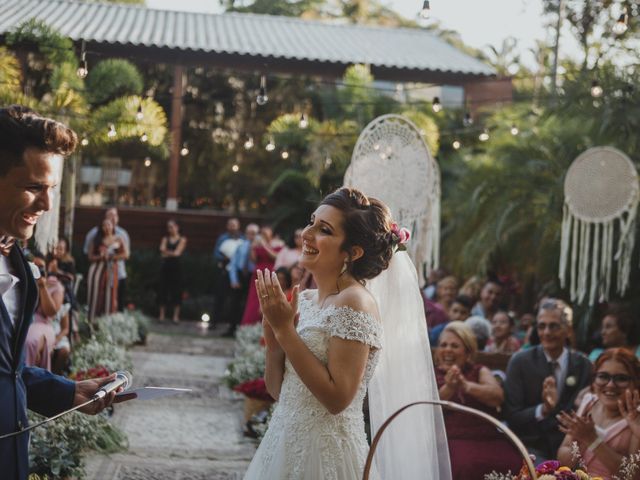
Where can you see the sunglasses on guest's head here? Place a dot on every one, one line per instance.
(620, 380)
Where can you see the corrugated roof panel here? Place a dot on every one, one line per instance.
(245, 34)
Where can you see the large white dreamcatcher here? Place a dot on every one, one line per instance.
(601, 194)
(391, 162)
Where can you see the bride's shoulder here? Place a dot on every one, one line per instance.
(358, 299)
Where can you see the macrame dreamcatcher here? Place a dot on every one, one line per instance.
(46, 234)
(392, 162)
(601, 194)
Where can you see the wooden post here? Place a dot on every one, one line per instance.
(176, 137)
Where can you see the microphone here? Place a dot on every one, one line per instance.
(123, 379)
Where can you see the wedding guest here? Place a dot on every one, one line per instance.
(502, 339)
(481, 328)
(525, 327)
(606, 427)
(284, 279)
(63, 264)
(171, 249)
(290, 253)
(475, 446)
(263, 253)
(106, 250)
(224, 249)
(240, 269)
(112, 214)
(436, 309)
(544, 381)
(471, 288)
(436, 274)
(459, 311)
(616, 330)
(41, 337)
(489, 301)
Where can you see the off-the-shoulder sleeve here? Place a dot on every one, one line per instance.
(355, 325)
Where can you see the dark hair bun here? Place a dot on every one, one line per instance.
(367, 223)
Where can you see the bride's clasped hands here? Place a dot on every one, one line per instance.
(279, 314)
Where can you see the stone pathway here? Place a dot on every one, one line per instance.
(193, 436)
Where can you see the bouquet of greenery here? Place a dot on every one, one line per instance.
(118, 328)
(98, 352)
(57, 448)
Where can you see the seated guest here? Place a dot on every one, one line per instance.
(481, 328)
(41, 336)
(606, 427)
(459, 311)
(475, 446)
(502, 339)
(436, 310)
(525, 327)
(489, 302)
(616, 330)
(544, 381)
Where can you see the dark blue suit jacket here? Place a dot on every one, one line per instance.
(22, 386)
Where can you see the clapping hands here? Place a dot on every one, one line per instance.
(276, 309)
(628, 407)
(581, 428)
(549, 395)
(454, 378)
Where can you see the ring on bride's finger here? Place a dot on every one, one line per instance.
(265, 296)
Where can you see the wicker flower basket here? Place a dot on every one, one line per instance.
(253, 406)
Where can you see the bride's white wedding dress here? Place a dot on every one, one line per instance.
(304, 441)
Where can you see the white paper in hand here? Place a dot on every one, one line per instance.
(149, 393)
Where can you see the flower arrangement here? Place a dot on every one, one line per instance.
(118, 328)
(98, 352)
(256, 389)
(99, 371)
(248, 360)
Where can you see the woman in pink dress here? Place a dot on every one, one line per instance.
(263, 254)
(606, 427)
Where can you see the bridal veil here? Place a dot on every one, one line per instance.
(415, 444)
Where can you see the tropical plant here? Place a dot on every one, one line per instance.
(113, 78)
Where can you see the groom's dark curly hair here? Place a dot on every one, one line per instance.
(366, 223)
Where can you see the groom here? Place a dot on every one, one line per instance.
(28, 146)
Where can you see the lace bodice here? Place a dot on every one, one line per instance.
(299, 415)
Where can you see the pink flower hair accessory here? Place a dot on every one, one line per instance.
(400, 237)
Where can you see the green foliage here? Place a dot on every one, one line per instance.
(289, 8)
(428, 127)
(121, 112)
(113, 78)
(97, 352)
(119, 328)
(292, 200)
(57, 448)
(56, 48)
(10, 74)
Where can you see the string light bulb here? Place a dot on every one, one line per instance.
(112, 131)
(248, 144)
(147, 162)
(514, 130)
(436, 105)
(262, 97)
(467, 121)
(271, 146)
(284, 154)
(184, 151)
(84, 142)
(83, 69)
(621, 26)
(139, 114)
(304, 121)
(484, 136)
(235, 168)
(456, 144)
(144, 137)
(426, 9)
(327, 162)
(596, 89)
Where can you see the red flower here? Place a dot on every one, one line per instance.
(254, 389)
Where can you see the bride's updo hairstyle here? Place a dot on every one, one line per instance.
(366, 223)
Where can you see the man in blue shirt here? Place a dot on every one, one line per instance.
(240, 269)
(30, 147)
(226, 245)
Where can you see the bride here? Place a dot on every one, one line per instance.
(318, 364)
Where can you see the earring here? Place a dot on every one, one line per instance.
(344, 266)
